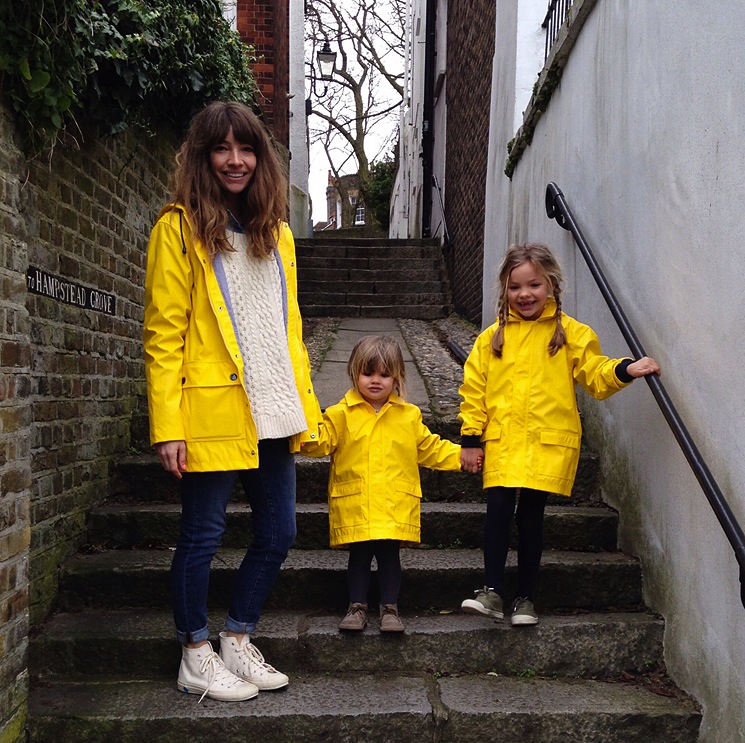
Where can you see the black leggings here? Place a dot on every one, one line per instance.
(500, 507)
(387, 554)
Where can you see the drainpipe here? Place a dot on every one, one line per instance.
(428, 117)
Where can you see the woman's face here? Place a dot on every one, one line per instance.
(233, 164)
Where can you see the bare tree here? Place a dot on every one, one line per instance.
(355, 115)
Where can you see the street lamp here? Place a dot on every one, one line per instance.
(326, 61)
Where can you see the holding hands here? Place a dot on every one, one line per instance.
(471, 460)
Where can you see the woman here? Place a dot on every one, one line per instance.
(228, 377)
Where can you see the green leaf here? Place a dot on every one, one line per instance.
(24, 68)
(39, 80)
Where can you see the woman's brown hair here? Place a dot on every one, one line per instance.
(545, 263)
(378, 353)
(195, 186)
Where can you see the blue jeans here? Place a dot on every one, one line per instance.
(270, 491)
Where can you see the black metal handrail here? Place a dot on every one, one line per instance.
(445, 231)
(556, 208)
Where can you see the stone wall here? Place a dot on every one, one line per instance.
(469, 64)
(73, 237)
(15, 435)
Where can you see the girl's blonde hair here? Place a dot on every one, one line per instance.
(195, 186)
(546, 264)
(378, 353)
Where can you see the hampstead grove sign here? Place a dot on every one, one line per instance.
(41, 282)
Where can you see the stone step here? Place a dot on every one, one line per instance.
(372, 286)
(353, 707)
(316, 579)
(443, 525)
(351, 298)
(140, 479)
(141, 643)
(371, 262)
(404, 310)
(374, 250)
(336, 272)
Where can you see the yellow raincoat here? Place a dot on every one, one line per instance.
(523, 407)
(374, 488)
(193, 365)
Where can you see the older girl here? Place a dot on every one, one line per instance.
(228, 380)
(519, 412)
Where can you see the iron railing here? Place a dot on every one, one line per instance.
(556, 208)
(554, 20)
(445, 231)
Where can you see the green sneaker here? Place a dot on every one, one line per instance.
(523, 613)
(487, 601)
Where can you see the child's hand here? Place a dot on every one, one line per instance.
(471, 459)
(642, 367)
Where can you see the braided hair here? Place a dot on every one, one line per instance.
(546, 264)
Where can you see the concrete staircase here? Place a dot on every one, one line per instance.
(104, 666)
(360, 277)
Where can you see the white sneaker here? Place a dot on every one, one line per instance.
(203, 672)
(245, 660)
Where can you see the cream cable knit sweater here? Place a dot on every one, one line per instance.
(256, 299)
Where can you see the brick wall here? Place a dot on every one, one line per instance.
(72, 380)
(15, 434)
(265, 26)
(469, 65)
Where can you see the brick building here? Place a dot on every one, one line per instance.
(444, 138)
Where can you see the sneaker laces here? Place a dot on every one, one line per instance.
(215, 669)
(255, 658)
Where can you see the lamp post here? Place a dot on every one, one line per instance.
(326, 62)
(326, 59)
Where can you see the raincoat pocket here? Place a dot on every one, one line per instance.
(558, 454)
(406, 505)
(490, 440)
(346, 504)
(213, 401)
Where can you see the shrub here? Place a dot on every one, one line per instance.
(116, 63)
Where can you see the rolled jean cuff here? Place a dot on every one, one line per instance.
(199, 636)
(241, 628)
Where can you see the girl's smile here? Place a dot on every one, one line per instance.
(233, 164)
(375, 387)
(527, 291)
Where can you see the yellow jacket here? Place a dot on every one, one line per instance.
(374, 488)
(523, 407)
(193, 365)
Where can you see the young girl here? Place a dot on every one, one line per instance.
(377, 441)
(228, 379)
(519, 412)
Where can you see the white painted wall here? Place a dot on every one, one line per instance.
(300, 222)
(645, 137)
(406, 198)
(439, 121)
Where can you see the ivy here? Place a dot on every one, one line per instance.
(116, 64)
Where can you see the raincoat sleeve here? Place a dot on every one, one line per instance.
(473, 390)
(593, 371)
(168, 284)
(434, 452)
(298, 351)
(329, 431)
